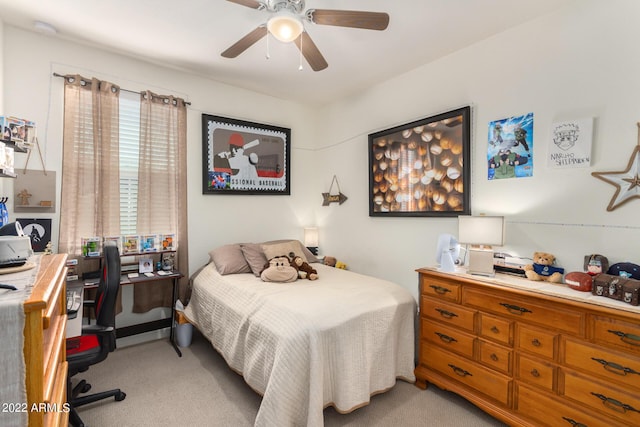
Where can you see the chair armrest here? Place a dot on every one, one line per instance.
(89, 303)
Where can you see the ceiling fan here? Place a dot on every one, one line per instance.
(286, 25)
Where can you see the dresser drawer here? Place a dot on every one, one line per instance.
(548, 410)
(467, 372)
(534, 311)
(495, 356)
(448, 338)
(606, 399)
(621, 334)
(537, 341)
(440, 289)
(619, 368)
(450, 314)
(496, 328)
(538, 372)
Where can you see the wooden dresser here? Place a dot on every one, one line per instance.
(530, 353)
(44, 345)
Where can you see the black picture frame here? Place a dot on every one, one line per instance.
(241, 157)
(422, 168)
(38, 230)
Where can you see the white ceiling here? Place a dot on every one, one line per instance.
(189, 35)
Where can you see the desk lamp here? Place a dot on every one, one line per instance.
(311, 239)
(481, 232)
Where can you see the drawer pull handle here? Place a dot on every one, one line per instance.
(459, 371)
(494, 357)
(535, 342)
(446, 338)
(614, 404)
(535, 373)
(627, 338)
(574, 423)
(495, 329)
(446, 314)
(440, 289)
(514, 309)
(615, 368)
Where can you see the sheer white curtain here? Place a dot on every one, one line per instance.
(90, 200)
(162, 185)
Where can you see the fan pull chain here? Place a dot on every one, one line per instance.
(267, 55)
(300, 56)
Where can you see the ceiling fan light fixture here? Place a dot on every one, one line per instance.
(285, 26)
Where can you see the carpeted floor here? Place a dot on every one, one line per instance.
(199, 389)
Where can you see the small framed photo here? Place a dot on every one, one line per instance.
(145, 265)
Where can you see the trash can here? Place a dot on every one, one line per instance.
(184, 330)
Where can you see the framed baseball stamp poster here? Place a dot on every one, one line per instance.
(240, 157)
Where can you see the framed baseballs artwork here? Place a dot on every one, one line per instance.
(422, 168)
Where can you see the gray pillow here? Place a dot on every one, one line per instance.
(254, 257)
(229, 259)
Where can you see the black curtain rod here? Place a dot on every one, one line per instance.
(126, 90)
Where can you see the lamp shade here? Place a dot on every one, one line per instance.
(481, 230)
(285, 26)
(311, 237)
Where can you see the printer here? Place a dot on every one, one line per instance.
(15, 247)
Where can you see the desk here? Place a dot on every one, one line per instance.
(168, 322)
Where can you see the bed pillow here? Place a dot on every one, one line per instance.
(306, 252)
(229, 259)
(254, 257)
(272, 250)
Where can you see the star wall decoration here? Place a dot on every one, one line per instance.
(627, 182)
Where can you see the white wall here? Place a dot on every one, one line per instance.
(580, 61)
(32, 92)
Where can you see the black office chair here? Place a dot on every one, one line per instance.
(97, 340)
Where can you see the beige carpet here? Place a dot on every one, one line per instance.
(199, 389)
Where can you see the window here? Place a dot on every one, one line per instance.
(129, 155)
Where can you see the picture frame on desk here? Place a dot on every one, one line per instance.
(145, 265)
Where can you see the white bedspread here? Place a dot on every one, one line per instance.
(307, 345)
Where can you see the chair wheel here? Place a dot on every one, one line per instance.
(120, 396)
(85, 388)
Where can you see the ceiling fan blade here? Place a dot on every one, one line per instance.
(311, 52)
(246, 42)
(253, 4)
(349, 18)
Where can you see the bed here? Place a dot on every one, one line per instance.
(306, 345)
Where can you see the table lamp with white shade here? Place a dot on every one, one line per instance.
(481, 233)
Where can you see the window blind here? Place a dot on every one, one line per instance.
(129, 155)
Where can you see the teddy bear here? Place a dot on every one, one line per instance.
(543, 269)
(279, 269)
(330, 261)
(305, 271)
